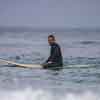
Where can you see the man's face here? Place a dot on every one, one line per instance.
(51, 40)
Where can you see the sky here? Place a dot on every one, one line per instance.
(50, 13)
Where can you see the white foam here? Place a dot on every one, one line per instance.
(82, 96)
(29, 94)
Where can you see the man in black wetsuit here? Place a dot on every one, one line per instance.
(55, 59)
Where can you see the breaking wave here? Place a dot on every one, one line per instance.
(89, 42)
(29, 94)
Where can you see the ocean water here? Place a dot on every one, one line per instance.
(77, 82)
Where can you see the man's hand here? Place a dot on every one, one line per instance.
(49, 62)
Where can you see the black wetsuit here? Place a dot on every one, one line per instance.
(55, 57)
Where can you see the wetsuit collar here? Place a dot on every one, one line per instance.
(52, 44)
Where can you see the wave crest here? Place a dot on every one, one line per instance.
(29, 94)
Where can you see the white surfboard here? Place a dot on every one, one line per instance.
(6, 62)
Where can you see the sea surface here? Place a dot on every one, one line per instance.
(79, 48)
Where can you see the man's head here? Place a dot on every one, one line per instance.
(51, 39)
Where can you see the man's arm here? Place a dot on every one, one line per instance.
(48, 59)
(54, 54)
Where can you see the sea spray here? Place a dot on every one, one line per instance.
(31, 94)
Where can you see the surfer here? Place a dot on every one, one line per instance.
(55, 59)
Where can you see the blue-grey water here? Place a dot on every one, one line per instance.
(74, 83)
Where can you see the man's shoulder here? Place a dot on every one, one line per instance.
(56, 45)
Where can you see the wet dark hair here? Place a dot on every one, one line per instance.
(51, 36)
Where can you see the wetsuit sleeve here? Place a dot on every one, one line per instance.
(54, 53)
(50, 55)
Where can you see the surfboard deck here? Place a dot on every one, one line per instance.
(20, 65)
(38, 66)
